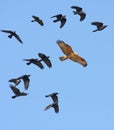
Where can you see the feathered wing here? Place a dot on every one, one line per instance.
(65, 47)
(76, 58)
(63, 21)
(26, 83)
(58, 16)
(37, 19)
(15, 90)
(54, 105)
(7, 31)
(82, 16)
(98, 24)
(45, 59)
(18, 38)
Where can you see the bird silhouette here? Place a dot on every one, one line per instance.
(17, 92)
(100, 26)
(70, 54)
(53, 96)
(45, 59)
(54, 105)
(13, 33)
(79, 11)
(15, 81)
(38, 20)
(61, 18)
(26, 80)
(35, 62)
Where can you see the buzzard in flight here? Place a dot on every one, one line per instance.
(61, 18)
(70, 54)
(38, 20)
(100, 26)
(79, 11)
(13, 33)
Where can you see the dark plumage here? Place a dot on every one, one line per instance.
(99, 26)
(38, 20)
(79, 11)
(17, 92)
(11, 34)
(26, 80)
(34, 61)
(53, 96)
(54, 105)
(45, 59)
(15, 81)
(61, 18)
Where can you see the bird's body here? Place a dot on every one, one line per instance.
(79, 11)
(45, 59)
(100, 26)
(53, 96)
(61, 18)
(38, 20)
(35, 62)
(54, 105)
(17, 92)
(13, 33)
(70, 54)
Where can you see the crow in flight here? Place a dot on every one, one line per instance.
(45, 59)
(35, 62)
(61, 18)
(11, 34)
(17, 92)
(38, 20)
(79, 11)
(100, 26)
(26, 80)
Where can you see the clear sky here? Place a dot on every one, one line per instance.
(86, 94)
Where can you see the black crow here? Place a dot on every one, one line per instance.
(26, 80)
(34, 61)
(45, 59)
(11, 34)
(17, 92)
(38, 20)
(79, 11)
(99, 26)
(61, 18)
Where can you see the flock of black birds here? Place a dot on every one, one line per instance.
(67, 50)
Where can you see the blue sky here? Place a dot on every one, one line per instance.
(86, 95)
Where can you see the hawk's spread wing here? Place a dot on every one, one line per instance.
(65, 47)
(76, 58)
